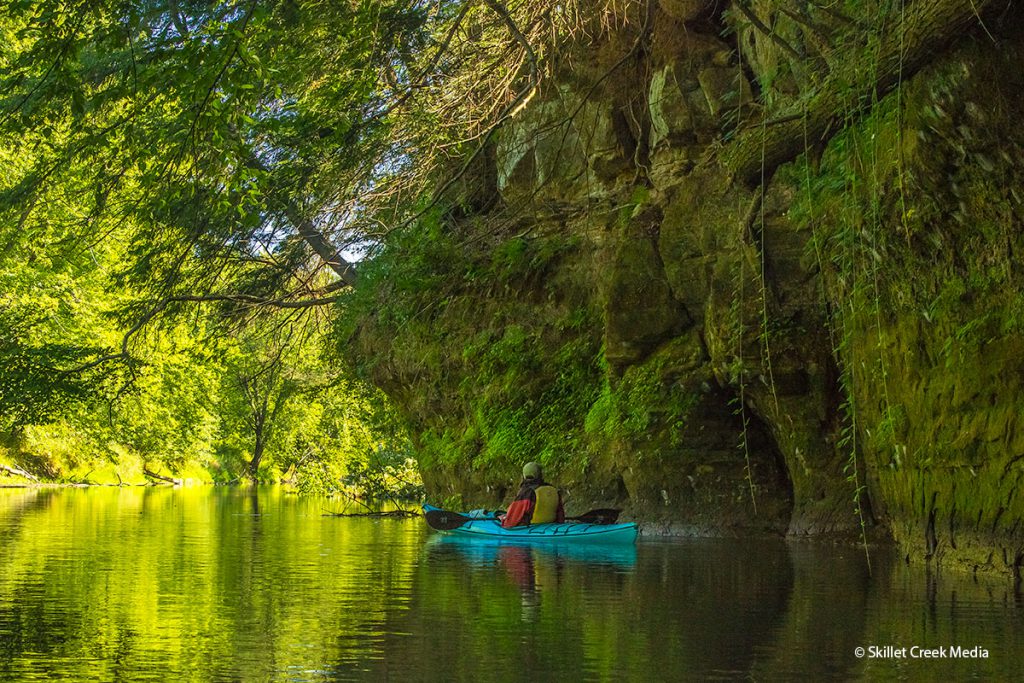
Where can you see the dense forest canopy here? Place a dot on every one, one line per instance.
(185, 186)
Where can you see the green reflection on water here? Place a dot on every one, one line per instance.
(230, 583)
(254, 584)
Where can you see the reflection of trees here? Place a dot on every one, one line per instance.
(670, 613)
(825, 616)
(105, 584)
(58, 602)
(15, 506)
(240, 584)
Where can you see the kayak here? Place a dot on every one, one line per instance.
(485, 525)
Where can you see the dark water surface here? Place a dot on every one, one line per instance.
(227, 584)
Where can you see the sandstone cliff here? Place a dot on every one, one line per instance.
(736, 267)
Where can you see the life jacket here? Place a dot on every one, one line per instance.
(536, 503)
(545, 509)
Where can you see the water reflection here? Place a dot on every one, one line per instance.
(605, 611)
(246, 584)
(485, 553)
(531, 567)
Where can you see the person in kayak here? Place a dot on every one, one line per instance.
(537, 501)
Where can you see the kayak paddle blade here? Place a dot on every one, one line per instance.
(444, 520)
(599, 516)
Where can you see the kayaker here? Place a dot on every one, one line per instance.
(537, 501)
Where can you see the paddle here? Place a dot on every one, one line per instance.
(444, 520)
(598, 516)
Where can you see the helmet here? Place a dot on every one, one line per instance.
(531, 470)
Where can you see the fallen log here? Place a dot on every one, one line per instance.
(19, 473)
(159, 477)
(400, 514)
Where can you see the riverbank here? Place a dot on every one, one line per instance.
(138, 474)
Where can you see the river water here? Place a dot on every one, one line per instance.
(256, 585)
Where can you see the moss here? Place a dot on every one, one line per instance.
(644, 405)
(866, 311)
(500, 364)
(914, 223)
(641, 311)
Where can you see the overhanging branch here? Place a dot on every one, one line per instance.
(254, 300)
(312, 235)
(161, 305)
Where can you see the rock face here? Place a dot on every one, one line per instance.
(712, 356)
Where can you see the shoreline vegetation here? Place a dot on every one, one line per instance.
(384, 508)
(383, 484)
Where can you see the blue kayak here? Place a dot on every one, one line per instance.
(483, 525)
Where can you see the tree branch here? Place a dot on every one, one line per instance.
(760, 26)
(849, 21)
(18, 473)
(159, 477)
(531, 56)
(175, 11)
(316, 240)
(254, 300)
(161, 305)
(520, 101)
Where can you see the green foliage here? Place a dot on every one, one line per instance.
(515, 389)
(642, 406)
(174, 170)
(39, 379)
(529, 398)
(158, 111)
(385, 475)
(183, 401)
(128, 190)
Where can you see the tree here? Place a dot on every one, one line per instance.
(184, 153)
(207, 133)
(224, 159)
(263, 384)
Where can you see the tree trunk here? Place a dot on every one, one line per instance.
(159, 477)
(257, 451)
(18, 472)
(926, 27)
(312, 235)
(330, 255)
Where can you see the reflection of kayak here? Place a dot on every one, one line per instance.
(487, 551)
(486, 526)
